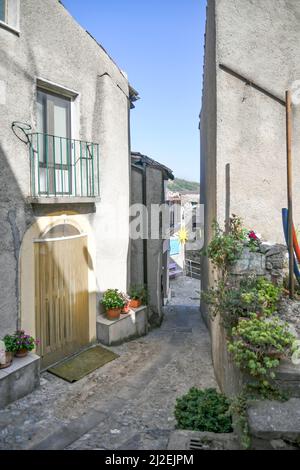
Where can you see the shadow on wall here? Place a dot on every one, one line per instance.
(15, 217)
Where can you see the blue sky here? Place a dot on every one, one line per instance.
(159, 44)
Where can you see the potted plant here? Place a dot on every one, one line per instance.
(113, 303)
(19, 343)
(126, 299)
(6, 357)
(138, 296)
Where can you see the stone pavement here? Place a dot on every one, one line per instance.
(127, 404)
(185, 291)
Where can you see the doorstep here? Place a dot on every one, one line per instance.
(19, 379)
(128, 326)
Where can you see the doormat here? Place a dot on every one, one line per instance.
(77, 367)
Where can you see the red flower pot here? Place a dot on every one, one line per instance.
(113, 313)
(135, 303)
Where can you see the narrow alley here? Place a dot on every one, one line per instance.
(126, 404)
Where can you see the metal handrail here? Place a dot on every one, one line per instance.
(63, 166)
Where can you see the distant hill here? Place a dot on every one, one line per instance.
(179, 185)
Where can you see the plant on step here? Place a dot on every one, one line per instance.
(112, 299)
(225, 248)
(138, 292)
(203, 410)
(19, 341)
(257, 346)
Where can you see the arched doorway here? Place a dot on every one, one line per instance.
(61, 293)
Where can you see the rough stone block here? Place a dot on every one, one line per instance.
(288, 378)
(274, 420)
(21, 378)
(250, 263)
(132, 325)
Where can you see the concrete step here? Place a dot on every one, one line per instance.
(274, 424)
(127, 327)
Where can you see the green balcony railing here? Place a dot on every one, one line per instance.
(63, 167)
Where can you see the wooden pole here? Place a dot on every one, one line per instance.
(289, 191)
(227, 198)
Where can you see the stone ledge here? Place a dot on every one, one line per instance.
(43, 200)
(125, 328)
(21, 378)
(271, 421)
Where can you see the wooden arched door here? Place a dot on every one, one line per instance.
(61, 294)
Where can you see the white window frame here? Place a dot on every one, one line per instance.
(11, 16)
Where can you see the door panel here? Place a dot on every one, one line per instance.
(54, 122)
(62, 310)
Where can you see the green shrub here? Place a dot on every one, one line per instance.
(254, 295)
(226, 247)
(258, 345)
(203, 410)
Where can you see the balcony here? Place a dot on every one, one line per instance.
(63, 168)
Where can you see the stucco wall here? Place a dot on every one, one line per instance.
(53, 47)
(242, 126)
(157, 259)
(137, 246)
(154, 195)
(208, 134)
(250, 125)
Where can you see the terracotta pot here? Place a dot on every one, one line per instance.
(113, 313)
(21, 353)
(9, 359)
(135, 303)
(126, 308)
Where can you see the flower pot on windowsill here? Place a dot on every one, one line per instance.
(21, 353)
(9, 358)
(135, 303)
(113, 313)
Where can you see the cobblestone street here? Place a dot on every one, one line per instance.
(127, 404)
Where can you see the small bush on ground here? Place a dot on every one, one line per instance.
(203, 410)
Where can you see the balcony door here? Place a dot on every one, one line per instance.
(54, 143)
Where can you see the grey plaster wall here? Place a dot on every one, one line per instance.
(208, 134)
(53, 47)
(137, 246)
(157, 259)
(155, 195)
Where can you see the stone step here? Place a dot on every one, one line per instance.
(274, 424)
(127, 327)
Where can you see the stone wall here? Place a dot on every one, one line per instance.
(271, 262)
